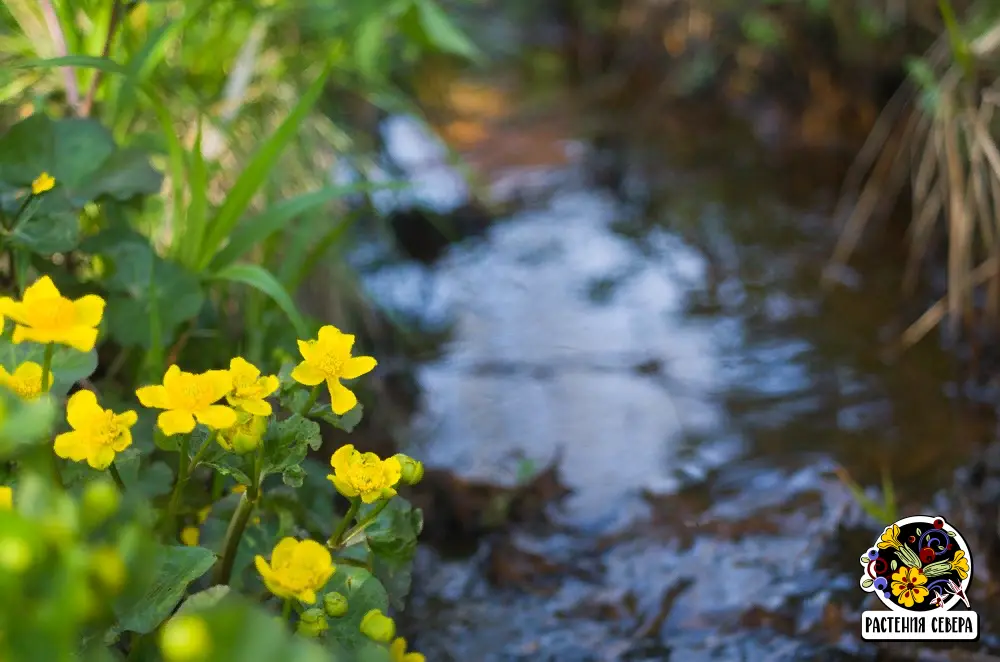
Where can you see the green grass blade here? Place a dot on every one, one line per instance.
(175, 162)
(257, 172)
(300, 269)
(105, 64)
(263, 281)
(257, 229)
(197, 212)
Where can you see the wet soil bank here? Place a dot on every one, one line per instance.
(635, 425)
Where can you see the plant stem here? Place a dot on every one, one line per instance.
(169, 517)
(117, 477)
(365, 523)
(113, 21)
(232, 541)
(47, 367)
(310, 402)
(338, 533)
(286, 610)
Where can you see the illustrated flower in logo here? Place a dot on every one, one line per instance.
(918, 564)
(908, 585)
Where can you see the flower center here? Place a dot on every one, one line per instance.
(246, 387)
(52, 313)
(27, 388)
(192, 393)
(367, 475)
(331, 365)
(107, 431)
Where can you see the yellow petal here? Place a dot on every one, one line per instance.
(371, 496)
(330, 334)
(306, 374)
(219, 382)
(392, 470)
(40, 290)
(175, 422)
(341, 459)
(357, 366)
(155, 397)
(284, 552)
(99, 458)
(343, 487)
(342, 399)
(240, 367)
(14, 310)
(307, 348)
(81, 338)
(127, 418)
(71, 446)
(262, 567)
(82, 410)
(268, 385)
(219, 417)
(255, 407)
(123, 441)
(89, 310)
(308, 596)
(28, 371)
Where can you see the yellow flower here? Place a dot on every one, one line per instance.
(397, 651)
(245, 435)
(26, 381)
(46, 316)
(186, 396)
(889, 538)
(108, 567)
(250, 388)
(960, 564)
(297, 569)
(185, 638)
(328, 358)
(908, 585)
(190, 536)
(97, 433)
(364, 474)
(238, 489)
(44, 182)
(6, 498)
(376, 625)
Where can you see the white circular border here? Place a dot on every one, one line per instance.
(924, 519)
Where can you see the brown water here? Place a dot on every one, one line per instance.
(651, 316)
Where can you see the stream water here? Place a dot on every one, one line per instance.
(651, 316)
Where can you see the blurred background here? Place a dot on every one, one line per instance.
(680, 301)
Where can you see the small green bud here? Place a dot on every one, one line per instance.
(335, 605)
(312, 623)
(16, 554)
(378, 627)
(413, 470)
(100, 501)
(185, 638)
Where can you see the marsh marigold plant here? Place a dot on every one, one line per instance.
(189, 397)
(298, 569)
(364, 475)
(250, 388)
(328, 359)
(97, 434)
(45, 316)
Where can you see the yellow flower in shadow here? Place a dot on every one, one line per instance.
(6, 498)
(186, 397)
(250, 388)
(45, 316)
(889, 537)
(397, 652)
(364, 474)
(297, 569)
(44, 182)
(908, 586)
(960, 564)
(97, 434)
(328, 358)
(26, 380)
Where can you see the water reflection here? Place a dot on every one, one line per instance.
(662, 331)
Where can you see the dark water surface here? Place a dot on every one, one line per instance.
(651, 315)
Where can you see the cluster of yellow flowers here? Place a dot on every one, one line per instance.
(233, 403)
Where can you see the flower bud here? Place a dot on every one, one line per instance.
(312, 623)
(335, 605)
(185, 638)
(378, 627)
(15, 554)
(413, 470)
(245, 436)
(100, 501)
(108, 568)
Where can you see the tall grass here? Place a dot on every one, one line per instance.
(937, 137)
